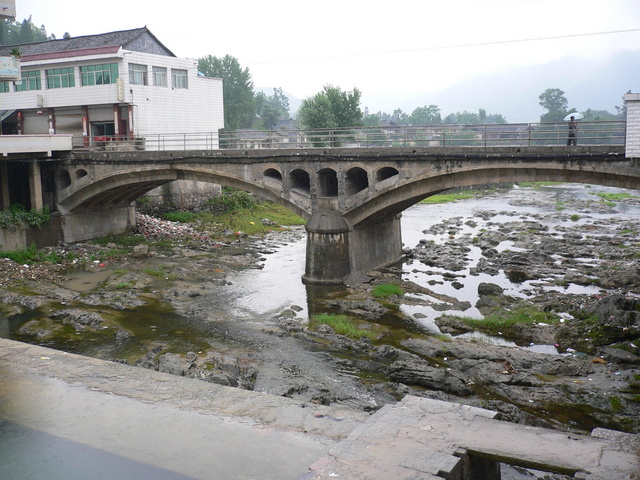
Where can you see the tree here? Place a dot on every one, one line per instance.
(269, 110)
(372, 119)
(554, 101)
(14, 33)
(238, 97)
(425, 115)
(331, 108)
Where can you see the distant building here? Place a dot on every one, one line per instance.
(110, 89)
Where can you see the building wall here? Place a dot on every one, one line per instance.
(155, 110)
(168, 110)
(632, 101)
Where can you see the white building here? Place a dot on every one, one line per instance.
(110, 90)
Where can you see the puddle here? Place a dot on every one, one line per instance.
(82, 281)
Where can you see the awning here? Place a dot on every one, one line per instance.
(5, 113)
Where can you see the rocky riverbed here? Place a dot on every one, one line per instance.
(591, 378)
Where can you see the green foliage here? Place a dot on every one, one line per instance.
(231, 200)
(446, 198)
(342, 325)
(474, 118)
(537, 185)
(615, 197)
(331, 108)
(501, 322)
(269, 110)
(387, 290)
(238, 96)
(125, 240)
(554, 101)
(182, 217)
(15, 33)
(18, 217)
(616, 403)
(425, 115)
(29, 255)
(575, 217)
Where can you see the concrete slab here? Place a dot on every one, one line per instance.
(420, 438)
(183, 427)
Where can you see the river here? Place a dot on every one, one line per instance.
(275, 287)
(255, 296)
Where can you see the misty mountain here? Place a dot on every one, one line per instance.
(598, 84)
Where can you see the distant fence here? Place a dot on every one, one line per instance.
(435, 135)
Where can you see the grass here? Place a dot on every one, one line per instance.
(537, 184)
(446, 198)
(182, 217)
(501, 322)
(387, 290)
(249, 220)
(574, 217)
(342, 325)
(615, 197)
(31, 255)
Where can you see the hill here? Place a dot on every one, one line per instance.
(598, 84)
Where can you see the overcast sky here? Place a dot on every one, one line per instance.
(391, 51)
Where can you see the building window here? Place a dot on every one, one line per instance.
(30, 81)
(178, 78)
(160, 76)
(138, 74)
(5, 87)
(99, 74)
(60, 78)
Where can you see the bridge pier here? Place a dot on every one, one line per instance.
(99, 222)
(336, 250)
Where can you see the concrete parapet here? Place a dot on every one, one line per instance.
(424, 439)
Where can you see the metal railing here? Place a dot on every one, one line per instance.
(435, 135)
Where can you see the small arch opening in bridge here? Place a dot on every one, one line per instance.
(63, 179)
(327, 183)
(386, 172)
(272, 174)
(356, 180)
(81, 172)
(300, 181)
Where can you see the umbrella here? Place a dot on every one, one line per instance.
(577, 116)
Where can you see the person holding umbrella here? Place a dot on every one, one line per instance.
(573, 129)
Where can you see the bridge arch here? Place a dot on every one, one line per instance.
(356, 179)
(63, 178)
(123, 188)
(394, 201)
(300, 181)
(273, 173)
(327, 182)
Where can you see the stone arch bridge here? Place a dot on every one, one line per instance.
(352, 199)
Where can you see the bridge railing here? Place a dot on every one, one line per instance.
(435, 135)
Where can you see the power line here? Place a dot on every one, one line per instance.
(453, 46)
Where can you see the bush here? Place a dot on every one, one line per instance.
(17, 217)
(232, 200)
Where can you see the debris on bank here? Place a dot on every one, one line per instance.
(152, 227)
